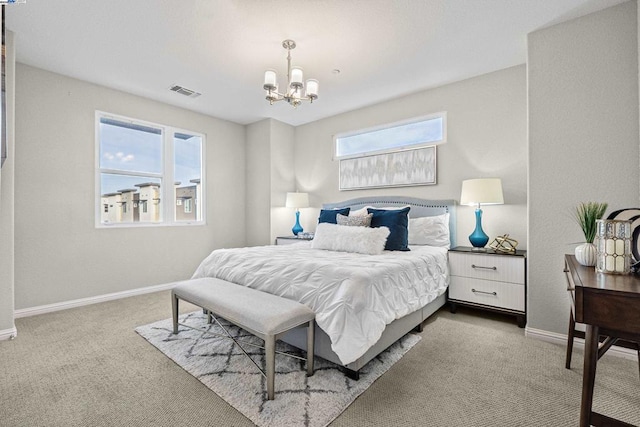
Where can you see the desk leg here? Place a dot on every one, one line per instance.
(589, 374)
(570, 336)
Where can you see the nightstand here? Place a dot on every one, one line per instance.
(288, 240)
(489, 280)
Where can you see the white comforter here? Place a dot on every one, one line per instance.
(354, 296)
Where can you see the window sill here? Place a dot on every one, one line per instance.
(151, 224)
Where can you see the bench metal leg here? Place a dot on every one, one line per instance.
(311, 330)
(174, 307)
(270, 355)
(269, 344)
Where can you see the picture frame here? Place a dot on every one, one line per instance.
(398, 169)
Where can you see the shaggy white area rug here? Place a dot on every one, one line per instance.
(299, 400)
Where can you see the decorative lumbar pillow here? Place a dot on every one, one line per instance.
(362, 240)
(329, 215)
(397, 221)
(430, 230)
(355, 221)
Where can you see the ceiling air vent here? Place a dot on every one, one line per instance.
(184, 91)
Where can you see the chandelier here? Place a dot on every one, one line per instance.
(293, 92)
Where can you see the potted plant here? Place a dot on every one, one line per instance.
(586, 214)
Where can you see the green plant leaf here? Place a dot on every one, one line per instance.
(586, 214)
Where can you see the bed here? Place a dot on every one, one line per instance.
(363, 303)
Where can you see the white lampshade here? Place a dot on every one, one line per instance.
(312, 88)
(483, 191)
(269, 79)
(296, 76)
(297, 200)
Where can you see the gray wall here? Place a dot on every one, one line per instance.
(258, 198)
(487, 137)
(583, 141)
(282, 178)
(270, 175)
(7, 201)
(59, 254)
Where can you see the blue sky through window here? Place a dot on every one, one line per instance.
(400, 136)
(187, 158)
(128, 147)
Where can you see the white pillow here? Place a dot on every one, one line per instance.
(359, 212)
(342, 238)
(430, 230)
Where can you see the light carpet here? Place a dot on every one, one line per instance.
(299, 400)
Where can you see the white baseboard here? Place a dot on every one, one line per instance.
(561, 339)
(49, 308)
(8, 334)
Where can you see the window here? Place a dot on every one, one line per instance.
(144, 169)
(408, 134)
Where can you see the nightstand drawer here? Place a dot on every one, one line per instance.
(501, 268)
(487, 292)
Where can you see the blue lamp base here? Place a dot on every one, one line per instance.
(297, 228)
(478, 238)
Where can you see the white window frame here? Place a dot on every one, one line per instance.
(442, 115)
(167, 193)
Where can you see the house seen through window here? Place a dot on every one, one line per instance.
(146, 172)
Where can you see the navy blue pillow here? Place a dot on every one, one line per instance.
(329, 215)
(397, 221)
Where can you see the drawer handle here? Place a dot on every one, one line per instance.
(483, 292)
(486, 268)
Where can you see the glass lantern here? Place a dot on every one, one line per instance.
(613, 246)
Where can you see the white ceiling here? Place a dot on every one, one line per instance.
(383, 48)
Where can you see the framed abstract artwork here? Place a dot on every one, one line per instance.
(402, 168)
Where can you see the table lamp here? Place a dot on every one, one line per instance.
(297, 200)
(476, 192)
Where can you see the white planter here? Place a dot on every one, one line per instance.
(586, 254)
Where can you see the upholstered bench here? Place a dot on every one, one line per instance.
(264, 315)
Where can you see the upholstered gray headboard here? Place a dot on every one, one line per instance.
(419, 208)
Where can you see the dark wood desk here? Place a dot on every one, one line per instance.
(608, 305)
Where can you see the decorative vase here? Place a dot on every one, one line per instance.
(586, 254)
(478, 238)
(297, 228)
